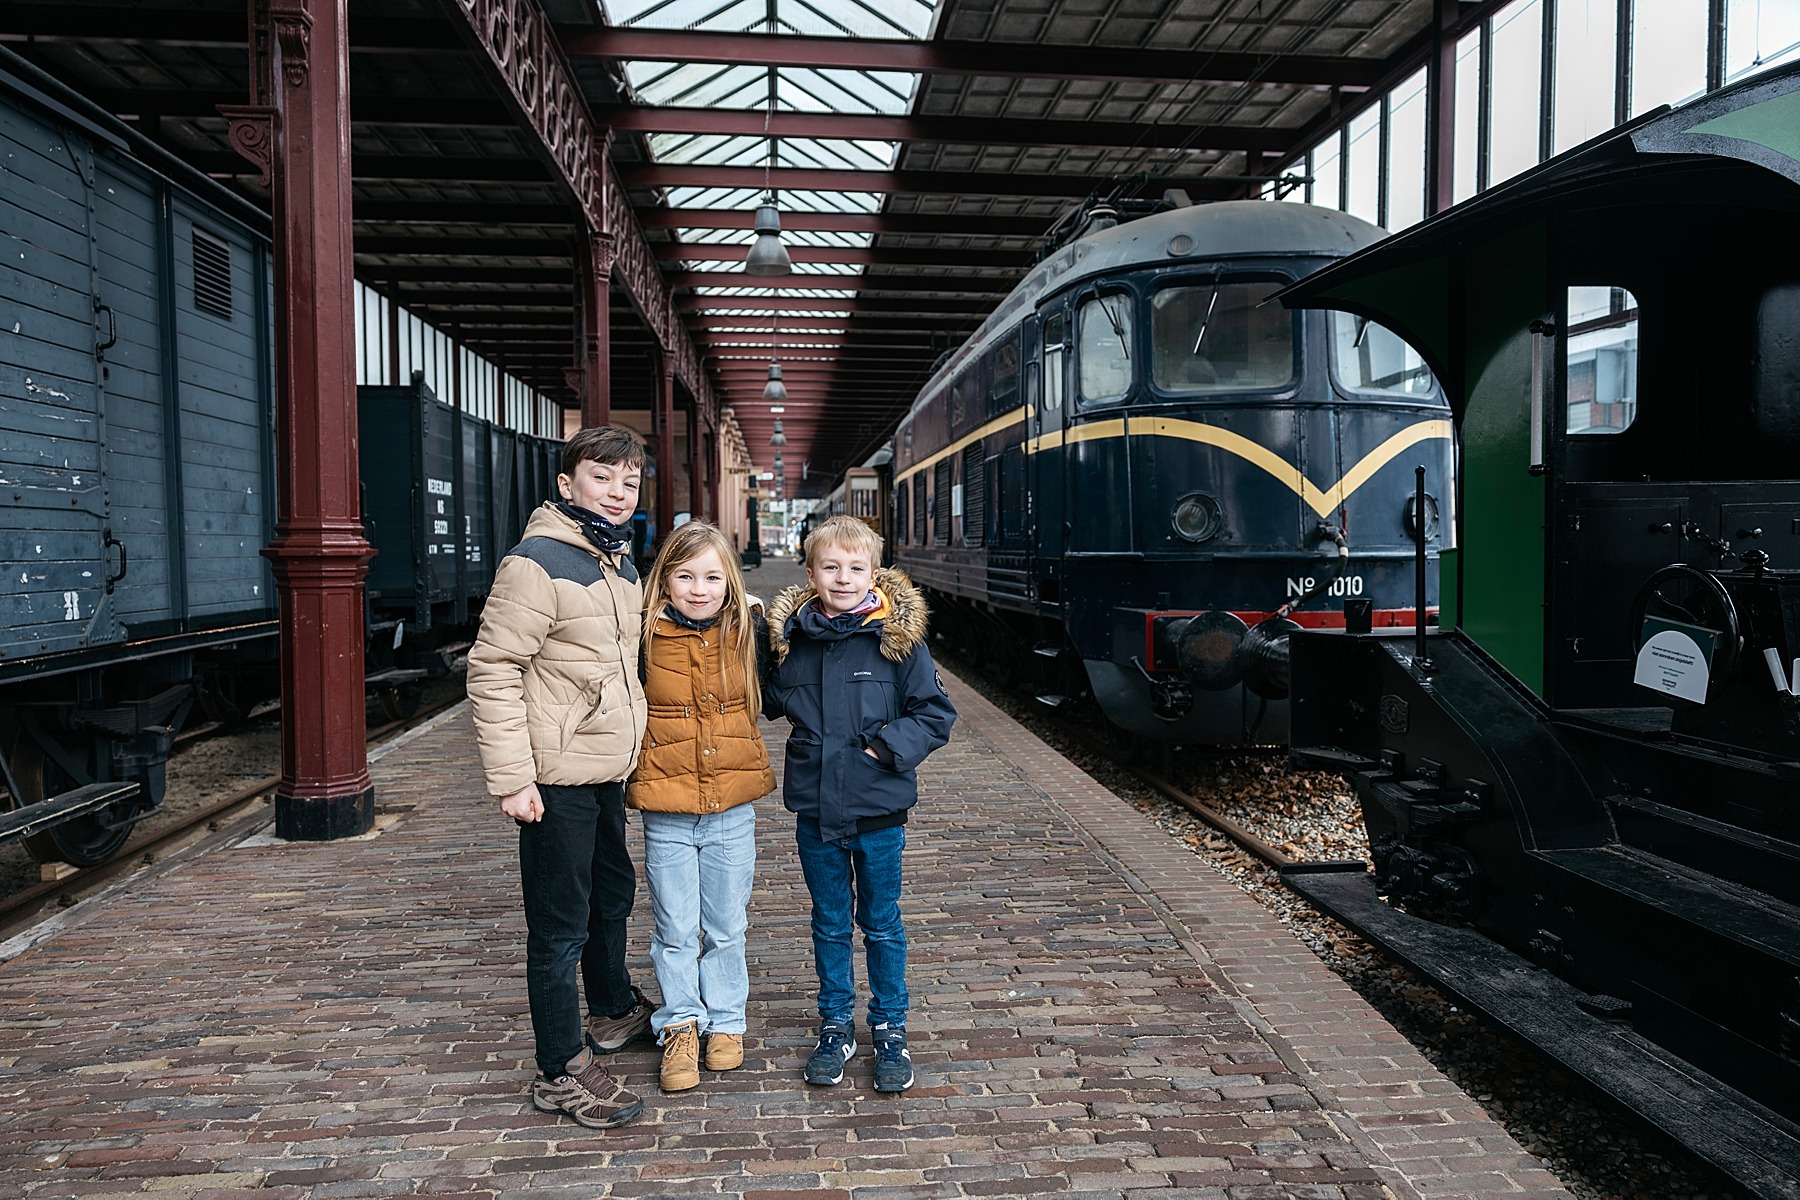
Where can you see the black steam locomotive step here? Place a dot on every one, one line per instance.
(1717, 907)
(68, 806)
(1742, 1139)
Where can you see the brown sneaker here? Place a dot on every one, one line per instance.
(588, 1094)
(609, 1035)
(681, 1057)
(724, 1051)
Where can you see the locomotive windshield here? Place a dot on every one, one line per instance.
(1104, 359)
(1367, 357)
(1219, 336)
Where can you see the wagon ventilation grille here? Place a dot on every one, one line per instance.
(212, 276)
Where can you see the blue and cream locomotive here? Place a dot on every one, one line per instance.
(1139, 474)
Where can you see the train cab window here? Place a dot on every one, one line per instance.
(1601, 378)
(1054, 351)
(1367, 357)
(1220, 337)
(1103, 358)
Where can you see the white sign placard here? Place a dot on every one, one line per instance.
(1673, 663)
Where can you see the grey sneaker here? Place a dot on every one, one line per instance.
(837, 1043)
(893, 1061)
(588, 1094)
(609, 1035)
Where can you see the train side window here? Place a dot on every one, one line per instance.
(1220, 337)
(1103, 358)
(974, 530)
(1054, 350)
(1600, 380)
(919, 509)
(1368, 357)
(902, 514)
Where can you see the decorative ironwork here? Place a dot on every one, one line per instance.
(292, 24)
(252, 135)
(650, 293)
(518, 40)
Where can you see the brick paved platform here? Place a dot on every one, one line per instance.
(1096, 1015)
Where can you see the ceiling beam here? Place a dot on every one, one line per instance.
(437, 112)
(949, 224)
(912, 183)
(484, 213)
(898, 256)
(880, 324)
(201, 28)
(979, 58)
(950, 285)
(977, 131)
(970, 307)
(467, 247)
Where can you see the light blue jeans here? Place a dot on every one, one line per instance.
(700, 868)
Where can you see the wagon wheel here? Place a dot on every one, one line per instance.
(401, 702)
(86, 841)
(1690, 596)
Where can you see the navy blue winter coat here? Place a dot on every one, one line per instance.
(865, 681)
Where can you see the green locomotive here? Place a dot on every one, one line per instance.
(1582, 790)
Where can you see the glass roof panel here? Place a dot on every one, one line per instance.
(841, 18)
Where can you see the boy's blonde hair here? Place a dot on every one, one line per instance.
(736, 630)
(846, 533)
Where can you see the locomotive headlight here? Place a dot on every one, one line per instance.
(1196, 517)
(1431, 517)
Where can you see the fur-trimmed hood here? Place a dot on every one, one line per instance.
(903, 613)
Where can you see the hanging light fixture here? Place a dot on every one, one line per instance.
(767, 255)
(778, 438)
(778, 462)
(775, 391)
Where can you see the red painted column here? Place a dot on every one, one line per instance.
(695, 494)
(665, 445)
(714, 468)
(596, 316)
(318, 551)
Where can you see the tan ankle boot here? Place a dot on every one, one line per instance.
(681, 1057)
(724, 1051)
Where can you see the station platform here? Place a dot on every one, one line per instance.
(1096, 1014)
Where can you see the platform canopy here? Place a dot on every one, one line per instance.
(919, 153)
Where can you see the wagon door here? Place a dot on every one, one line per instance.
(54, 522)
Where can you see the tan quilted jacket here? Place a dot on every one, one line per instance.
(553, 675)
(702, 752)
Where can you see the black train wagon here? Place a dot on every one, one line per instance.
(136, 455)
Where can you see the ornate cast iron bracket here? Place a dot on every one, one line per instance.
(253, 134)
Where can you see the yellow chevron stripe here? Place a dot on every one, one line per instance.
(1321, 500)
(1003, 421)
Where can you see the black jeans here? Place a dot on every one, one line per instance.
(579, 884)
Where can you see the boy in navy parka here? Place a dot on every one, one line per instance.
(852, 672)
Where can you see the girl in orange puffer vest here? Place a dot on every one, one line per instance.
(703, 763)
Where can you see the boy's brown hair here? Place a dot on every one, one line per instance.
(608, 444)
(846, 533)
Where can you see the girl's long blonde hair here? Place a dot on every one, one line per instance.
(736, 630)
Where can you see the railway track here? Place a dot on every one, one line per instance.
(230, 817)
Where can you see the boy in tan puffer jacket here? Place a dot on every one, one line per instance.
(559, 716)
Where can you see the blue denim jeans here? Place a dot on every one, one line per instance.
(856, 879)
(700, 867)
(579, 884)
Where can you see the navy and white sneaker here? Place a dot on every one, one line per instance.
(893, 1061)
(837, 1043)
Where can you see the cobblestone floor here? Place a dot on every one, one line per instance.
(1093, 1017)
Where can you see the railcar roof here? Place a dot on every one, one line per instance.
(1202, 233)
